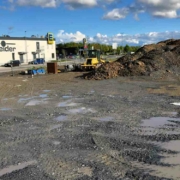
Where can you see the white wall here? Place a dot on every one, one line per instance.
(29, 46)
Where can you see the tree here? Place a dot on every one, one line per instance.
(127, 48)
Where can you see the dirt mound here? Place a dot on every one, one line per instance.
(158, 59)
(106, 71)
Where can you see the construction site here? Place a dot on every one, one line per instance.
(95, 120)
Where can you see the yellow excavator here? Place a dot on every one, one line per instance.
(92, 60)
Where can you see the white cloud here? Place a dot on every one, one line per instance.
(116, 14)
(121, 39)
(62, 36)
(162, 8)
(156, 8)
(70, 4)
(74, 4)
(41, 3)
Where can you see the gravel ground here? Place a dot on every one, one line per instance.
(61, 127)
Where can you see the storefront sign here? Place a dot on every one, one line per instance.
(6, 48)
(50, 38)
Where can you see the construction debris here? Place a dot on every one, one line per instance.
(154, 59)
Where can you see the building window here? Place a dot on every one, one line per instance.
(37, 45)
(13, 56)
(52, 55)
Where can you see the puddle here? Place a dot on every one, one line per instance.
(5, 109)
(107, 118)
(81, 110)
(159, 171)
(24, 80)
(18, 85)
(61, 118)
(83, 125)
(66, 97)
(176, 103)
(67, 104)
(55, 127)
(111, 96)
(172, 145)
(46, 90)
(156, 122)
(43, 95)
(36, 102)
(25, 99)
(13, 168)
(56, 142)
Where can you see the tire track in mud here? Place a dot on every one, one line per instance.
(59, 168)
(109, 157)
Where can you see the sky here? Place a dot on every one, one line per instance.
(132, 22)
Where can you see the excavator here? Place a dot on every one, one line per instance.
(92, 61)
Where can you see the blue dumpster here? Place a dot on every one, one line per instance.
(40, 61)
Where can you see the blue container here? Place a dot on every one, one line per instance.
(39, 71)
(43, 71)
(40, 61)
(34, 72)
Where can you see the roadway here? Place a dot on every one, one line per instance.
(66, 62)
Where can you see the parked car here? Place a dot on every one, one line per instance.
(12, 63)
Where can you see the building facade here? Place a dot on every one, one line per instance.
(26, 49)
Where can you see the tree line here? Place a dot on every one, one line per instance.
(103, 47)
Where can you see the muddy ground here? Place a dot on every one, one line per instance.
(62, 127)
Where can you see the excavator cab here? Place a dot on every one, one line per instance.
(93, 60)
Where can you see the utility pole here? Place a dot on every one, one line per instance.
(122, 43)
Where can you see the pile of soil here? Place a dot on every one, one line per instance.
(154, 59)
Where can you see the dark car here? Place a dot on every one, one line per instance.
(12, 63)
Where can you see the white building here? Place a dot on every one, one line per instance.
(26, 49)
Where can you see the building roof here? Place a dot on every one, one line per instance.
(23, 38)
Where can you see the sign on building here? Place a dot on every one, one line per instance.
(50, 38)
(6, 48)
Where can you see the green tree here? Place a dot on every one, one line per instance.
(127, 48)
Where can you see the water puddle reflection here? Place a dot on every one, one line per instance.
(43, 95)
(81, 110)
(56, 142)
(157, 122)
(5, 109)
(67, 97)
(106, 118)
(46, 90)
(176, 103)
(25, 99)
(61, 118)
(68, 103)
(13, 168)
(36, 102)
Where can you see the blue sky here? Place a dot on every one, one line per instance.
(133, 22)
